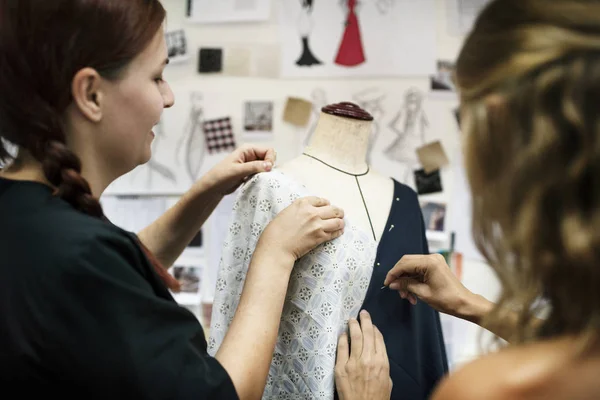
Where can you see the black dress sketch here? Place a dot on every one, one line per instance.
(305, 26)
(319, 100)
(371, 99)
(192, 145)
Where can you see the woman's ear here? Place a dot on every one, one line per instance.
(87, 95)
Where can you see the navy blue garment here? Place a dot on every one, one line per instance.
(413, 334)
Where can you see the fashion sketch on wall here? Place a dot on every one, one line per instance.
(191, 146)
(371, 99)
(319, 100)
(305, 27)
(154, 168)
(384, 6)
(362, 38)
(351, 52)
(409, 125)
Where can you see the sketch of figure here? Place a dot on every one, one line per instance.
(371, 100)
(409, 125)
(305, 26)
(319, 100)
(192, 144)
(350, 52)
(384, 6)
(153, 167)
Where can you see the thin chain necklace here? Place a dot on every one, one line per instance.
(357, 184)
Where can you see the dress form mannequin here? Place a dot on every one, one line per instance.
(333, 282)
(341, 140)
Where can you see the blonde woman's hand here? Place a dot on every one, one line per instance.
(302, 226)
(362, 369)
(430, 279)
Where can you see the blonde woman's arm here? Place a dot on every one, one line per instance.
(430, 279)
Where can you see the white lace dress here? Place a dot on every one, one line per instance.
(327, 287)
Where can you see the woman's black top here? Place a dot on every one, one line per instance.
(83, 314)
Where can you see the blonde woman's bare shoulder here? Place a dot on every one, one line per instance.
(545, 370)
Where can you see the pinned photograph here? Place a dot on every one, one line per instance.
(442, 80)
(188, 277)
(177, 46)
(434, 215)
(258, 120)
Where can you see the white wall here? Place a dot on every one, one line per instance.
(233, 91)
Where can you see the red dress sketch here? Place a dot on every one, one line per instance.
(351, 51)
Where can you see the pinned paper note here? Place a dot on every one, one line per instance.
(297, 111)
(237, 61)
(432, 156)
(255, 60)
(266, 61)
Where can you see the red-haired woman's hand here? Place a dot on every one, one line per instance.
(225, 177)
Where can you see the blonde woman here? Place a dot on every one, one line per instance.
(529, 81)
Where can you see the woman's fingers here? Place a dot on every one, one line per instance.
(316, 201)
(333, 225)
(366, 326)
(356, 339)
(407, 266)
(253, 153)
(330, 211)
(409, 289)
(343, 351)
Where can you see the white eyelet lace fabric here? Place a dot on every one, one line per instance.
(327, 287)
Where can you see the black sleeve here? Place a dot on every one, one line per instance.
(113, 337)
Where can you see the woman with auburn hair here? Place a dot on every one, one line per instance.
(85, 308)
(529, 83)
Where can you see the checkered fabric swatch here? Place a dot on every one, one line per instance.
(219, 135)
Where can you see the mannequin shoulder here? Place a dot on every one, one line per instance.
(379, 179)
(517, 373)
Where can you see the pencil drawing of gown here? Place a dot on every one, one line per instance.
(350, 52)
(305, 26)
(409, 125)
